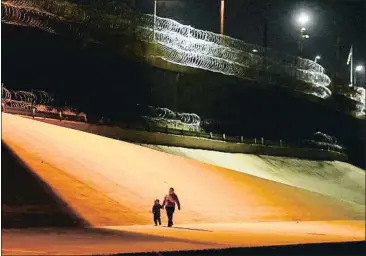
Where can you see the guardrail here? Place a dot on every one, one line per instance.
(260, 141)
(52, 115)
(251, 141)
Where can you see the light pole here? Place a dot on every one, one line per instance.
(303, 35)
(350, 62)
(155, 7)
(222, 16)
(302, 20)
(317, 58)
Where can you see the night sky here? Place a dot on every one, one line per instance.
(244, 20)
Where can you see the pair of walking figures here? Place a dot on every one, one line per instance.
(170, 200)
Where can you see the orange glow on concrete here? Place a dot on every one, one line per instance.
(333, 178)
(131, 239)
(112, 184)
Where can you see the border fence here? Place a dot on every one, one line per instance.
(43, 114)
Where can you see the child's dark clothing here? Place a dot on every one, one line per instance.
(156, 211)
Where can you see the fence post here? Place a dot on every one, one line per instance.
(255, 140)
(33, 112)
(211, 135)
(223, 135)
(281, 143)
(241, 139)
(262, 141)
(60, 114)
(182, 132)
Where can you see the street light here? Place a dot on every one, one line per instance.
(359, 70)
(303, 19)
(317, 58)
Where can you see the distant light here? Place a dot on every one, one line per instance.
(359, 68)
(303, 19)
(318, 57)
(255, 50)
(303, 29)
(306, 36)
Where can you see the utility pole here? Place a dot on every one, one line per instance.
(265, 38)
(155, 7)
(222, 17)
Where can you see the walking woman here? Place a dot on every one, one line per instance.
(169, 203)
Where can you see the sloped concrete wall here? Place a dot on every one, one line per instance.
(196, 143)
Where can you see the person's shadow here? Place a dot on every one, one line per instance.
(193, 229)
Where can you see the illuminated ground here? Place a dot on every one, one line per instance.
(132, 239)
(111, 185)
(333, 178)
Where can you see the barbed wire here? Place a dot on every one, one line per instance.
(184, 45)
(360, 97)
(36, 99)
(166, 117)
(25, 13)
(5, 93)
(177, 43)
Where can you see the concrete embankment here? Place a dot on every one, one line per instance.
(155, 138)
(334, 178)
(110, 182)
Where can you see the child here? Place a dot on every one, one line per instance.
(156, 211)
